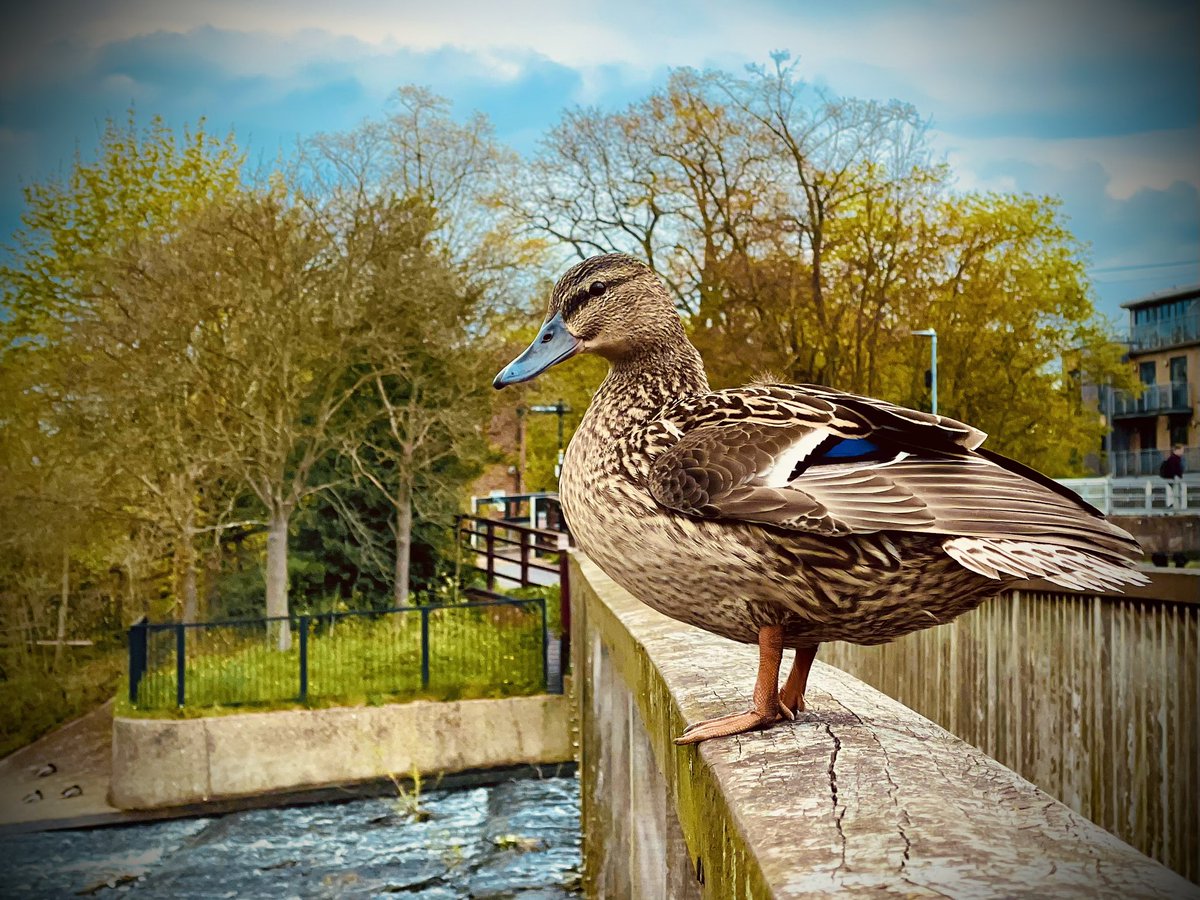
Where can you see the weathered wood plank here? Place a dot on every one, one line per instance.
(861, 794)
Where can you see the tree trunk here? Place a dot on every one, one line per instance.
(404, 520)
(132, 589)
(60, 633)
(277, 578)
(28, 628)
(521, 452)
(212, 577)
(186, 557)
(189, 591)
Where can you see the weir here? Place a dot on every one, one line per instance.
(859, 795)
(165, 763)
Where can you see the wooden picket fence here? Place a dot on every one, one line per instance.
(1095, 699)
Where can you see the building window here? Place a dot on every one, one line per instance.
(1147, 372)
(1148, 436)
(1178, 367)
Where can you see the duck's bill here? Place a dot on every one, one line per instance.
(552, 345)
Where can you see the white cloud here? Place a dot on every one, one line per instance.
(1151, 160)
(996, 78)
(954, 59)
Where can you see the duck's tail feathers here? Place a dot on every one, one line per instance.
(1069, 567)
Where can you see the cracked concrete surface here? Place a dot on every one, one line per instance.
(858, 795)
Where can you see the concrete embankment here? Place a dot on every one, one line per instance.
(159, 763)
(114, 771)
(60, 778)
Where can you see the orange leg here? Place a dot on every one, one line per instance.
(767, 710)
(792, 696)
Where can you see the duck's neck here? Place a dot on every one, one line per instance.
(639, 386)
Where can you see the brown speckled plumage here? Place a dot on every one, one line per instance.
(734, 512)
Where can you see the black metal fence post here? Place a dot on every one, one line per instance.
(180, 662)
(490, 544)
(137, 657)
(424, 647)
(303, 659)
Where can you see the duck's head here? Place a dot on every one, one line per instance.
(613, 305)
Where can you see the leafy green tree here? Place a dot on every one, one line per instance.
(268, 343)
(1006, 291)
(428, 395)
(90, 386)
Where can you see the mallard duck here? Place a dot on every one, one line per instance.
(789, 515)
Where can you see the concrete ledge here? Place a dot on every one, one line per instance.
(859, 795)
(161, 763)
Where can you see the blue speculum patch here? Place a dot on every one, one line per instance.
(850, 448)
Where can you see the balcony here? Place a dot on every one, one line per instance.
(1155, 400)
(1167, 333)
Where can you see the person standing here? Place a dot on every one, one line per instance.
(1172, 470)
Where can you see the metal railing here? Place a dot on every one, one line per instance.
(1155, 399)
(492, 647)
(1165, 333)
(1139, 496)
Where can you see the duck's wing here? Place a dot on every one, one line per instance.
(816, 460)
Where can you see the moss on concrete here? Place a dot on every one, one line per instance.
(719, 858)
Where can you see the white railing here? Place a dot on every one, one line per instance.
(1132, 463)
(1139, 496)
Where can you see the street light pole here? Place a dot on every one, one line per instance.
(932, 335)
(520, 450)
(559, 409)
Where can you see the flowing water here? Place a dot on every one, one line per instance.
(515, 839)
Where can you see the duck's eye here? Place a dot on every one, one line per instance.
(597, 288)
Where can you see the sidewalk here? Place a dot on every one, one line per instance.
(81, 752)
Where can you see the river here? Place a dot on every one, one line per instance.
(514, 839)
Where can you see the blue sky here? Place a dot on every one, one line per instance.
(1097, 102)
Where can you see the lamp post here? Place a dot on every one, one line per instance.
(932, 335)
(559, 409)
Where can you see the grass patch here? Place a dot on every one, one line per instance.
(552, 594)
(475, 652)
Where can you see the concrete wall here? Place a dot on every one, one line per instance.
(171, 762)
(1163, 534)
(859, 795)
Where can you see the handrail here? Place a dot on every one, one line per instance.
(529, 543)
(1147, 496)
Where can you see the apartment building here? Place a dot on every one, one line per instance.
(1164, 347)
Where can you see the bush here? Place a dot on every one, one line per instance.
(33, 701)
